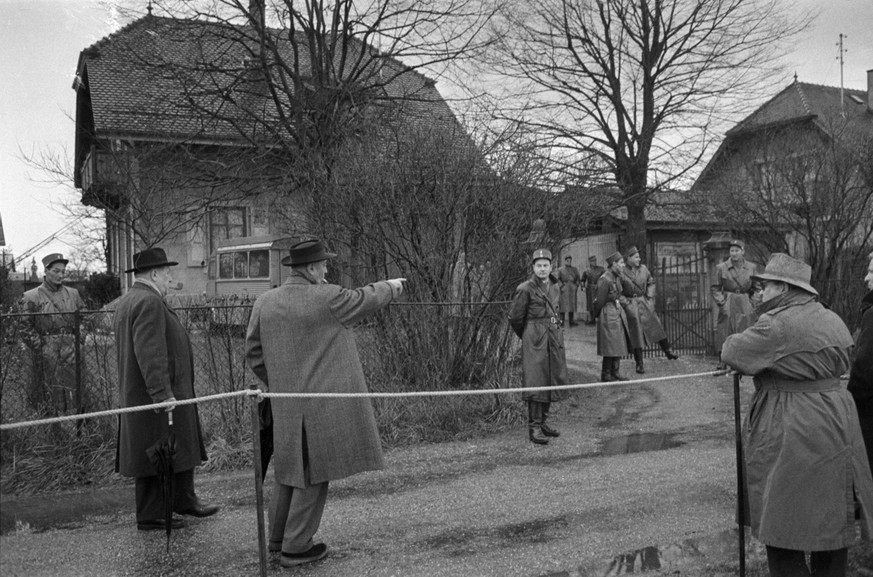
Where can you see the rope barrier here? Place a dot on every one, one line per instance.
(261, 394)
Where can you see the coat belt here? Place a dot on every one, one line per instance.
(772, 383)
(546, 320)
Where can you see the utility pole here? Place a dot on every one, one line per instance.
(840, 58)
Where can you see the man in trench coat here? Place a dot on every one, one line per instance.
(155, 365)
(612, 327)
(589, 278)
(806, 467)
(569, 277)
(732, 292)
(861, 379)
(534, 317)
(644, 328)
(299, 340)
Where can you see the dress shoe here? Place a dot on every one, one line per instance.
(618, 377)
(641, 370)
(671, 355)
(200, 509)
(158, 524)
(314, 553)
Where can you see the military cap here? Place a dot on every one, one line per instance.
(541, 253)
(53, 258)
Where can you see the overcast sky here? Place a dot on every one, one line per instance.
(40, 41)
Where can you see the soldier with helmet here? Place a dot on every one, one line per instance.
(534, 317)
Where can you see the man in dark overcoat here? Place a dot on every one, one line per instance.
(300, 340)
(155, 365)
(644, 327)
(732, 291)
(534, 317)
(589, 279)
(569, 277)
(612, 328)
(861, 378)
(806, 467)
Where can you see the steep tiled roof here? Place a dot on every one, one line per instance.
(802, 101)
(166, 78)
(673, 209)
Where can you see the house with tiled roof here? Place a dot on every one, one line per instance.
(180, 141)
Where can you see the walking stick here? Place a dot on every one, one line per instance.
(741, 521)
(259, 484)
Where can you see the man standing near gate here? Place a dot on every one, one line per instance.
(589, 281)
(638, 286)
(732, 292)
(568, 277)
(299, 340)
(612, 329)
(52, 340)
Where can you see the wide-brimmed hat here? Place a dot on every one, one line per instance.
(613, 257)
(150, 258)
(307, 251)
(787, 269)
(51, 259)
(541, 253)
(632, 251)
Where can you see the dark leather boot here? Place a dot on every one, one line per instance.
(534, 422)
(547, 430)
(616, 376)
(606, 370)
(665, 346)
(638, 358)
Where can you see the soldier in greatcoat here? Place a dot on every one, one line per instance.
(534, 317)
(299, 339)
(569, 277)
(806, 468)
(155, 365)
(733, 291)
(612, 327)
(644, 327)
(589, 279)
(51, 338)
(861, 378)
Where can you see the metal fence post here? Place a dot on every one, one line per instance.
(259, 482)
(741, 521)
(77, 333)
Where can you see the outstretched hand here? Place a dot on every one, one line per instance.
(397, 284)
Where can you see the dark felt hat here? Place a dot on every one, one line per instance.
(784, 268)
(53, 258)
(150, 258)
(616, 256)
(307, 251)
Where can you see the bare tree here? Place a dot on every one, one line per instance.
(635, 87)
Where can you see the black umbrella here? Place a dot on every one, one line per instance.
(161, 455)
(265, 416)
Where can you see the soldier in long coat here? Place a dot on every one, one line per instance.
(732, 291)
(861, 379)
(644, 327)
(534, 317)
(569, 277)
(299, 340)
(589, 279)
(155, 365)
(806, 466)
(612, 327)
(51, 339)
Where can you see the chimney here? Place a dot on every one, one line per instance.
(870, 90)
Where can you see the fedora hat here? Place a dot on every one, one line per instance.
(787, 269)
(613, 258)
(52, 259)
(541, 253)
(307, 251)
(150, 258)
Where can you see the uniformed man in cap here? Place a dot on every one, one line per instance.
(733, 291)
(51, 338)
(299, 339)
(534, 317)
(644, 327)
(589, 279)
(612, 328)
(568, 276)
(806, 467)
